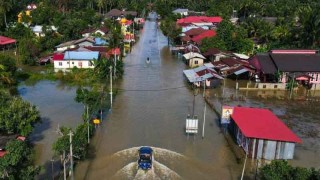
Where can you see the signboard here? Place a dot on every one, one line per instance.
(226, 113)
(96, 121)
(192, 126)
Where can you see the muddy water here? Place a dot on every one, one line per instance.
(57, 108)
(300, 113)
(150, 110)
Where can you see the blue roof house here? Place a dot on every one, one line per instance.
(79, 59)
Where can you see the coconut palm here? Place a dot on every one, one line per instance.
(5, 6)
(310, 26)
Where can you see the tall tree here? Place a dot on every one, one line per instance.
(5, 6)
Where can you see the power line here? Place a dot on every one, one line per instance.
(163, 89)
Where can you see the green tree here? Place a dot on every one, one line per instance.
(5, 6)
(79, 141)
(17, 163)
(212, 42)
(169, 29)
(281, 170)
(7, 70)
(17, 116)
(29, 50)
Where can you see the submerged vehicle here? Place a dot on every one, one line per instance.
(145, 158)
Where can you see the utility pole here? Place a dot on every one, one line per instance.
(110, 87)
(291, 88)
(52, 161)
(71, 155)
(115, 64)
(204, 111)
(64, 166)
(244, 166)
(88, 124)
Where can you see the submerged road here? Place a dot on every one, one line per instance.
(150, 110)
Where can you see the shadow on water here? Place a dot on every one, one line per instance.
(42, 126)
(51, 170)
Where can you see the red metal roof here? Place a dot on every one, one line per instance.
(2, 153)
(5, 40)
(208, 33)
(194, 31)
(114, 51)
(58, 57)
(262, 124)
(198, 19)
(185, 38)
(294, 51)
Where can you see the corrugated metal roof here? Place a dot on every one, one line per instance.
(241, 71)
(82, 55)
(262, 124)
(199, 74)
(193, 55)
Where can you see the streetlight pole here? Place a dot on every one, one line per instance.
(204, 111)
(115, 64)
(52, 160)
(88, 124)
(71, 155)
(110, 87)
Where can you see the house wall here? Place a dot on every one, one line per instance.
(270, 86)
(65, 64)
(194, 62)
(315, 77)
(262, 148)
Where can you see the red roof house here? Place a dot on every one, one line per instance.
(262, 134)
(198, 19)
(206, 34)
(57, 57)
(5, 40)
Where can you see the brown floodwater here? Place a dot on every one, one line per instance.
(150, 110)
(57, 107)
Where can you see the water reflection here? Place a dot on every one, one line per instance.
(57, 107)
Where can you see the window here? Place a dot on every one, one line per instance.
(195, 62)
(68, 62)
(60, 63)
(317, 76)
(264, 86)
(72, 62)
(276, 86)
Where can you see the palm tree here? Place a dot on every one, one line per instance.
(310, 26)
(5, 76)
(5, 6)
(101, 4)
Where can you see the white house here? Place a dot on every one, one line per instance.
(37, 30)
(194, 59)
(102, 31)
(71, 59)
(182, 12)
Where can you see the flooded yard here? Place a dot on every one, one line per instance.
(301, 114)
(57, 107)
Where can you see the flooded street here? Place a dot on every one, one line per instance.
(150, 110)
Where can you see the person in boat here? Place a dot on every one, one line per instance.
(148, 60)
